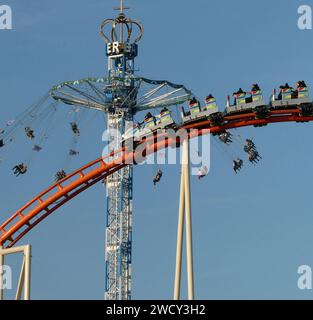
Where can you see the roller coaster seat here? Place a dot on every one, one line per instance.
(303, 92)
(150, 122)
(165, 116)
(257, 96)
(240, 98)
(210, 104)
(194, 108)
(287, 94)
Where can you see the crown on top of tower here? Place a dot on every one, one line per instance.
(122, 28)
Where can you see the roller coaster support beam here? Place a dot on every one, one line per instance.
(25, 274)
(184, 217)
(180, 235)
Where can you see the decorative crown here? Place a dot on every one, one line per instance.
(118, 27)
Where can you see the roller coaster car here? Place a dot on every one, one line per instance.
(291, 98)
(149, 126)
(244, 104)
(197, 112)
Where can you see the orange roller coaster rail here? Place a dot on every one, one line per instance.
(47, 202)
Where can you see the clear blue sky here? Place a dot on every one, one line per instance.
(251, 231)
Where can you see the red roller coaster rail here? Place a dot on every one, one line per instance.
(40, 207)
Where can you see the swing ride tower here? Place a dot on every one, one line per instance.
(121, 94)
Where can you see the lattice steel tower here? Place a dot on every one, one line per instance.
(122, 49)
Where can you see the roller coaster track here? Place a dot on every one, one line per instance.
(47, 202)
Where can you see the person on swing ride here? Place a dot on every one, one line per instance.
(30, 133)
(60, 175)
(157, 177)
(19, 169)
(75, 128)
(237, 165)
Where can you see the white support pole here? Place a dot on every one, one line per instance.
(1, 273)
(189, 249)
(184, 216)
(180, 238)
(21, 282)
(27, 254)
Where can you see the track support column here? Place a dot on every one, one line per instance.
(27, 257)
(25, 274)
(180, 239)
(184, 214)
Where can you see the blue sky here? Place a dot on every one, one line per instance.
(251, 231)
